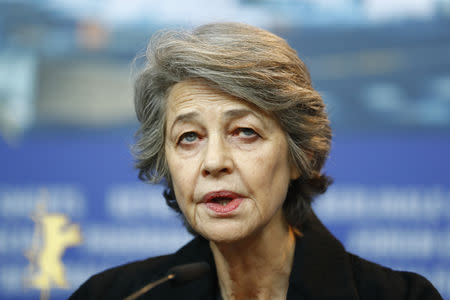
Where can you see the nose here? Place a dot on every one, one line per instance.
(217, 160)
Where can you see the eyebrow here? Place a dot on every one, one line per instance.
(238, 113)
(184, 118)
(242, 112)
(229, 115)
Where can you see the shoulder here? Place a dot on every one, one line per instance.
(325, 270)
(120, 280)
(374, 281)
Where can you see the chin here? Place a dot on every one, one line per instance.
(223, 233)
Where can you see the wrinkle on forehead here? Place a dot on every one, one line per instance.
(183, 91)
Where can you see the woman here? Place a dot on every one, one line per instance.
(230, 121)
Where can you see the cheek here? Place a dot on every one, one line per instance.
(269, 161)
(259, 171)
(179, 179)
(180, 187)
(269, 172)
(183, 177)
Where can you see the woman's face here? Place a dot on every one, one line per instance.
(228, 163)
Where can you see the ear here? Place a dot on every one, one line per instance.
(294, 172)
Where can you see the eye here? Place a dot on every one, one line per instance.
(245, 132)
(188, 137)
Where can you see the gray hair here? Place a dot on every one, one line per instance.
(249, 63)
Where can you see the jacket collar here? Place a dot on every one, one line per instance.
(197, 250)
(321, 269)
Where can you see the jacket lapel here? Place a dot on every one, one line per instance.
(321, 269)
(204, 288)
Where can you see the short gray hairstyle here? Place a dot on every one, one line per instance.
(249, 63)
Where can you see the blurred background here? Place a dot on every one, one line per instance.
(70, 201)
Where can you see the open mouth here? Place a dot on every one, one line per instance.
(222, 203)
(221, 200)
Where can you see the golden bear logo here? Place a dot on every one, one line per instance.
(52, 236)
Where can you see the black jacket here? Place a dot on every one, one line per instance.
(322, 270)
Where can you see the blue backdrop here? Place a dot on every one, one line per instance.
(390, 203)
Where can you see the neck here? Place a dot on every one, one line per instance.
(257, 267)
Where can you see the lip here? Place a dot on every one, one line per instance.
(220, 194)
(219, 209)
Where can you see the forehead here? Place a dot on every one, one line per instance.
(194, 90)
(198, 94)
